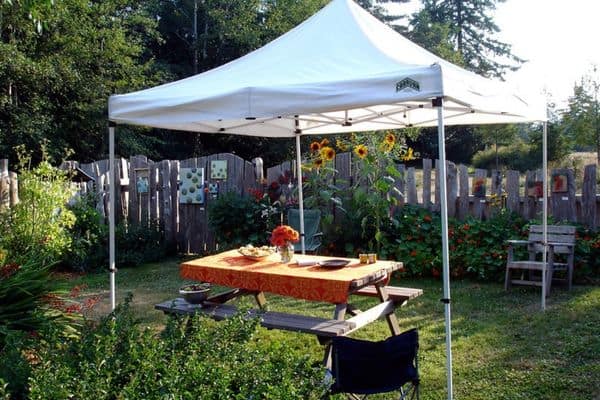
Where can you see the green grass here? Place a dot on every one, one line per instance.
(503, 346)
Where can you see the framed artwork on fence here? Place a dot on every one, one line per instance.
(479, 187)
(191, 187)
(141, 180)
(535, 189)
(218, 170)
(559, 183)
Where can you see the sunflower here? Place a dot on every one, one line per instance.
(324, 142)
(408, 155)
(390, 139)
(318, 163)
(341, 145)
(315, 146)
(327, 153)
(361, 151)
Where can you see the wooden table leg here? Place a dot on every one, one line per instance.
(261, 300)
(391, 317)
(338, 314)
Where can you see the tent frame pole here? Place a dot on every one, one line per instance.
(545, 213)
(439, 104)
(111, 213)
(299, 174)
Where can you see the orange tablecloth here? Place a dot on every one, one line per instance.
(270, 275)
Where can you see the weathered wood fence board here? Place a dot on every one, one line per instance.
(187, 225)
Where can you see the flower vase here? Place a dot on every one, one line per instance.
(286, 252)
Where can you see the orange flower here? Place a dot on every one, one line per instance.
(324, 142)
(284, 234)
(361, 151)
(315, 146)
(327, 153)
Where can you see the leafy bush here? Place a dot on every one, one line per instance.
(38, 226)
(191, 358)
(138, 244)
(89, 233)
(519, 156)
(587, 256)
(237, 220)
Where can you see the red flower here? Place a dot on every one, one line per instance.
(284, 234)
(8, 270)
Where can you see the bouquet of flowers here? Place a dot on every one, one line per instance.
(283, 235)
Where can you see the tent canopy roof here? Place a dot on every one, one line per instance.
(341, 70)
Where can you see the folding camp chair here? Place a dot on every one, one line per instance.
(361, 367)
(312, 235)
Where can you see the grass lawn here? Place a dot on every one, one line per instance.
(504, 347)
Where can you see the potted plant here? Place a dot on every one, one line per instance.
(195, 293)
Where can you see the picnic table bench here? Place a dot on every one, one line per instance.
(214, 308)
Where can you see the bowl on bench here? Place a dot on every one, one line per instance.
(195, 293)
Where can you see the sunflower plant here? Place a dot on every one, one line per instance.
(374, 182)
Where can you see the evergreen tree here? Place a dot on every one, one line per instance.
(472, 31)
(581, 119)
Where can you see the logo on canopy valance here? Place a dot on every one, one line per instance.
(408, 84)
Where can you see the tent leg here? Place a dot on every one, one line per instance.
(300, 194)
(545, 213)
(111, 214)
(445, 252)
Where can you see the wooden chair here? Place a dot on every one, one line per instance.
(561, 243)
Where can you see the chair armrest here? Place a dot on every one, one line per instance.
(561, 244)
(318, 234)
(518, 241)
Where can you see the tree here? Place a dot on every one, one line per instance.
(55, 83)
(471, 34)
(581, 119)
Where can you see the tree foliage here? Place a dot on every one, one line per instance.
(471, 33)
(55, 82)
(581, 119)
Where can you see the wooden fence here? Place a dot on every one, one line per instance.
(150, 190)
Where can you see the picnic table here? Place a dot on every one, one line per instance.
(308, 282)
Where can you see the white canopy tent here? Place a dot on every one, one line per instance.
(342, 70)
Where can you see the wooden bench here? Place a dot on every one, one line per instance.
(268, 319)
(395, 293)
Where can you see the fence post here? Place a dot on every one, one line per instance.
(427, 184)
(512, 191)
(452, 188)
(463, 200)
(411, 186)
(588, 197)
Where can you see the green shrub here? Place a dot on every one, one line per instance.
(587, 256)
(138, 243)
(519, 156)
(413, 236)
(192, 358)
(88, 234)
(15, 369)
(38, 226)
(237, 220)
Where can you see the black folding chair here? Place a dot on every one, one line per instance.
(361, 367)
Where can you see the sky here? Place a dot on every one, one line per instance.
(560, 39)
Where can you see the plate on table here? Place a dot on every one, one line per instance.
(256, 253)
(334, 263)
